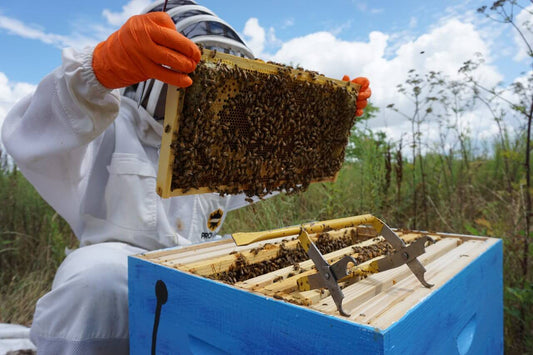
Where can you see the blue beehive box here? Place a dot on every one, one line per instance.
(176, 310)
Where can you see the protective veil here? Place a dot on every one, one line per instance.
(92, 154)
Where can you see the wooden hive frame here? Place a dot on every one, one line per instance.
(179, 100)
(378, 300)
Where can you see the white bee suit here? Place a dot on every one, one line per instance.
(93, 156)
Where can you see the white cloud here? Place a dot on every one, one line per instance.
(524, 21)
(413, 21)
(85, 35)
(361, 6)
(440, 51)
(340, 28)
(289, 22)
(133, 7)
(29, 31)
(18, 28)
(437, 50)
(10, 93)
(255, 36)
(504, 41)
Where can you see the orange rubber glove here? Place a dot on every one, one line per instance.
(140, 48)
(364, 93)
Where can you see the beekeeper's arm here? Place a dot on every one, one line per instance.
(53, 135)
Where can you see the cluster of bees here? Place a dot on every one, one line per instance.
(241, 270)
(245, 131)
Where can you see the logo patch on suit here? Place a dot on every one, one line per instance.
(215, 218)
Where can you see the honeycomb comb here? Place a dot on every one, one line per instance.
(246, 126)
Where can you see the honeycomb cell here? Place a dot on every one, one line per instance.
(252, 131)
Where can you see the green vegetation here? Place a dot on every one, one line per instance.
(32, 245)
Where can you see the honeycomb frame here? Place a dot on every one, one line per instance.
(236, 78)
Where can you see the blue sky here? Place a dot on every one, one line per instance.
(378, 39)
(349, 20)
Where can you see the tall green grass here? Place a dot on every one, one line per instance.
(32, 245)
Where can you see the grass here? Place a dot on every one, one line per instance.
(32, 245)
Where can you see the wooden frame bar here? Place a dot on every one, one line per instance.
(378, 299)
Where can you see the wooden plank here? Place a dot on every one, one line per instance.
(367, 288)
(362, 233)
(360, 306)
(366, 312)
(163, 255)
(208, 250)
(166, 155)
(289, 284)
(384, 300)
(219, 261)
(259, 282)
(439, 276)
(197, 255)
(311, 228)
(204, 251)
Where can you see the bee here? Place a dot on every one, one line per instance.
(279, 278)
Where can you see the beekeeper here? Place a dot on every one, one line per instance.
(91, 151)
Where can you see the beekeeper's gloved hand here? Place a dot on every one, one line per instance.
(141, 48)
(364, 93)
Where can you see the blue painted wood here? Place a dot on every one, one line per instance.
(203, 316)
(464, 316)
